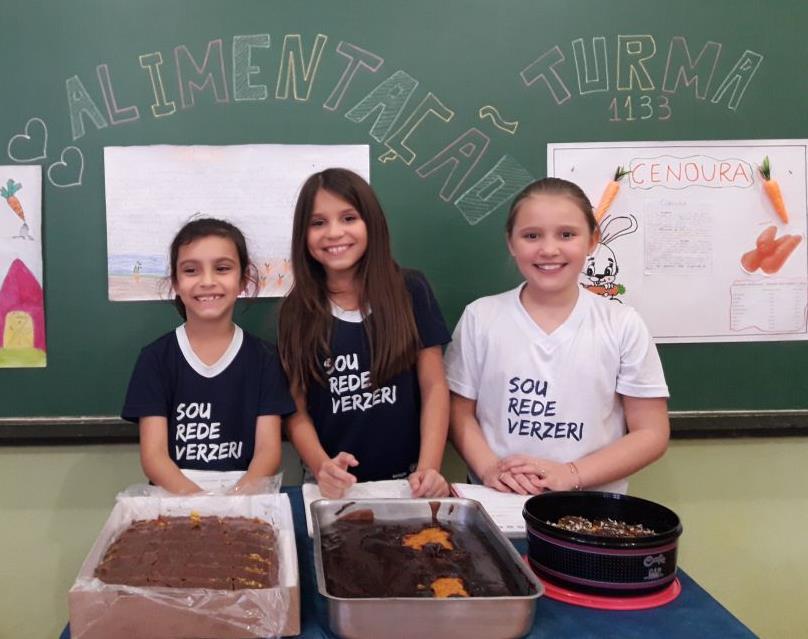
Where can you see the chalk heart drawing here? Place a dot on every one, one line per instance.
(30, 145)
(69, 170)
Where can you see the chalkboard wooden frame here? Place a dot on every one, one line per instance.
(50, 431)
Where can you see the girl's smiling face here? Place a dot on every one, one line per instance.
(337, 236)
(549, 243)
(208, 278)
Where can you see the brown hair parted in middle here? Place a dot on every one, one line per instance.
(552, 186)
(304, 327)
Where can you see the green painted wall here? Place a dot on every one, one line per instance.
(744, 506)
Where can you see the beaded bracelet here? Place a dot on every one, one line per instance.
(574, 470)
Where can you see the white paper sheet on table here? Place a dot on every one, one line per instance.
(392, 489)
(504, 508)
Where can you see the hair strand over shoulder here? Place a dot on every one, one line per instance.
(305, 321)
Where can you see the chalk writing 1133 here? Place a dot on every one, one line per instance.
(643, 107)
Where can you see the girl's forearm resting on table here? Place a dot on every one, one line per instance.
(332, 475)
(157, 465)
(646, 441)
(302, 434)
(467, 436)
(434, 408)
(267, 454)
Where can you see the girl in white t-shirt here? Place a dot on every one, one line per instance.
(554, 388)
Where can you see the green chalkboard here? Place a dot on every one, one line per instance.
(490, 83)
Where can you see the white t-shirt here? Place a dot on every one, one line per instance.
(552, 395)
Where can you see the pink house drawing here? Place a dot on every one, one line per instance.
(22, 309)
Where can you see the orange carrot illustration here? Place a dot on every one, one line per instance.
(8, 192)
(770, 252)
(751, 260)
(775, 261)
(777, 244)
(772, 188)
(609, 193)
(765, 242)
(612, 290)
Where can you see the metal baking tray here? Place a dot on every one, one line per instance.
(407, 617)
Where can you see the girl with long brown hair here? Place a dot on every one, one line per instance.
(360, 339)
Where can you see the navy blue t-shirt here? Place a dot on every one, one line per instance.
(379, 426)
(211, 410)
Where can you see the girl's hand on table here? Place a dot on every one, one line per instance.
(545, 474)
(333, 477)
(428, 483)
(510, 481)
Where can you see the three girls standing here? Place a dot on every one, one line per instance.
(360, 340)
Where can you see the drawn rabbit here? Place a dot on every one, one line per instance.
(601, 266)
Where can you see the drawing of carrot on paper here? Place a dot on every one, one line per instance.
(8, 192)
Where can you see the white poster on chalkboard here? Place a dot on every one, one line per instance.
(706, 239)
(151, 191)
(22, 304)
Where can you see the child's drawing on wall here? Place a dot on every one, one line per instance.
(8, 193)
(22, 307)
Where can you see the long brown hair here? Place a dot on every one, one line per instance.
(304, 327)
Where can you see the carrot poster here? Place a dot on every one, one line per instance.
(151, 191)
(706, 239)
(22, 308)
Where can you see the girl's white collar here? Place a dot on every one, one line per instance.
(197, 364)
(354, 316)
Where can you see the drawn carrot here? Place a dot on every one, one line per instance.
(8, 192)
(614, 289)
(609, 193)
(778, 243)
(765, 241)
(751, 261)
(775, 261)
(772, 188)
(766, 247)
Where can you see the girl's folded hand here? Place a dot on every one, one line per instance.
(511, 481)
(545, 474)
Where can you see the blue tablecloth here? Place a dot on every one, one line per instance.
(693, 614)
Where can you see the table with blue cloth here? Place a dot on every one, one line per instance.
(693, 614)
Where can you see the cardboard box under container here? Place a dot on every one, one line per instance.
(104, 611)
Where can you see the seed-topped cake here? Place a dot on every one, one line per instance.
(602, 527)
